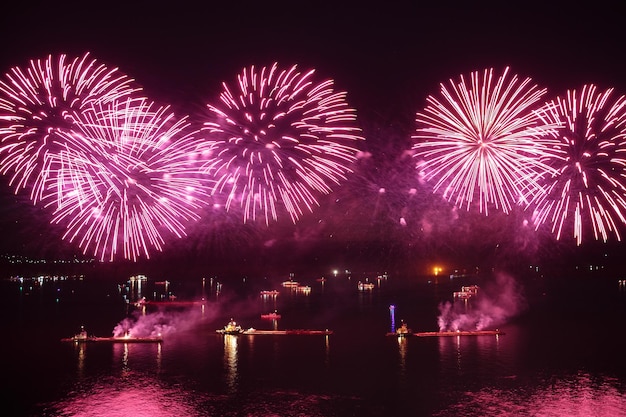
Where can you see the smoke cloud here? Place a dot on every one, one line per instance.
(491, 307)
(161, 323)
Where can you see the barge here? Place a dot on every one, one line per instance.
(461, 333)
(84, 337)
(287, 332)
(169, 303)
(232, 328)
(448, 333)
(113, 339)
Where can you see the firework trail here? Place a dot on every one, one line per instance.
(279, 140)
(587, 192)
(38, 100)
(483, 140)
(129, 174)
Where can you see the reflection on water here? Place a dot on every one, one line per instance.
(327, 350)
(145, 353)
(80, 348)
(131, 392)
(134, 395)
(402, 347)
(198, 373)
(457, 351)
(230, 361)
(139, 394)
(570, 396)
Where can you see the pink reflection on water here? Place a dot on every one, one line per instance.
(129, 397)
(141, 395)
(570, 396)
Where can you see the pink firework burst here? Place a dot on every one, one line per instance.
(482, 141)
(129, 175)
(279, 141)
(41, 98)
(587, 193)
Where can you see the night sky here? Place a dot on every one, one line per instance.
(388, 57)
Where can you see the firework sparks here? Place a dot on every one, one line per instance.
(278, 141)
(130, 174)
(38, 100)
(484, 140)
(587, 192)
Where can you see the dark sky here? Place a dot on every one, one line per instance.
(380, 53)
(388, 56)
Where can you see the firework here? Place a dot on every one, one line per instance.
(482, 142)
(38, 100)
(587, 192)
(128, 175)
(279, 140)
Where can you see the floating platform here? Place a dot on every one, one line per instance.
(461, 333)
(287, 332)
(113, 339)
(450, 333)
(170, 303)
(255, 332)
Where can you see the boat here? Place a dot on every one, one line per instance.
(269, 293)
(462, 295)
(402, 331)
(231, 328)
(365, 286)
(303, 288)
(271, 316)
(466, 292)
(83, 337)
(290, 284)
(471, 289)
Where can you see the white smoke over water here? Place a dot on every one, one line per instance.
(490, 308)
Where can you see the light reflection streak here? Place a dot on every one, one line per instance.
(123, 353)
(453, 350)
(230, 361)
(159, 356)
(365, 299)
(125, 367)
(457, 344)
(270, 304)
(402, 348)
(327, 350)
(81, 359)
